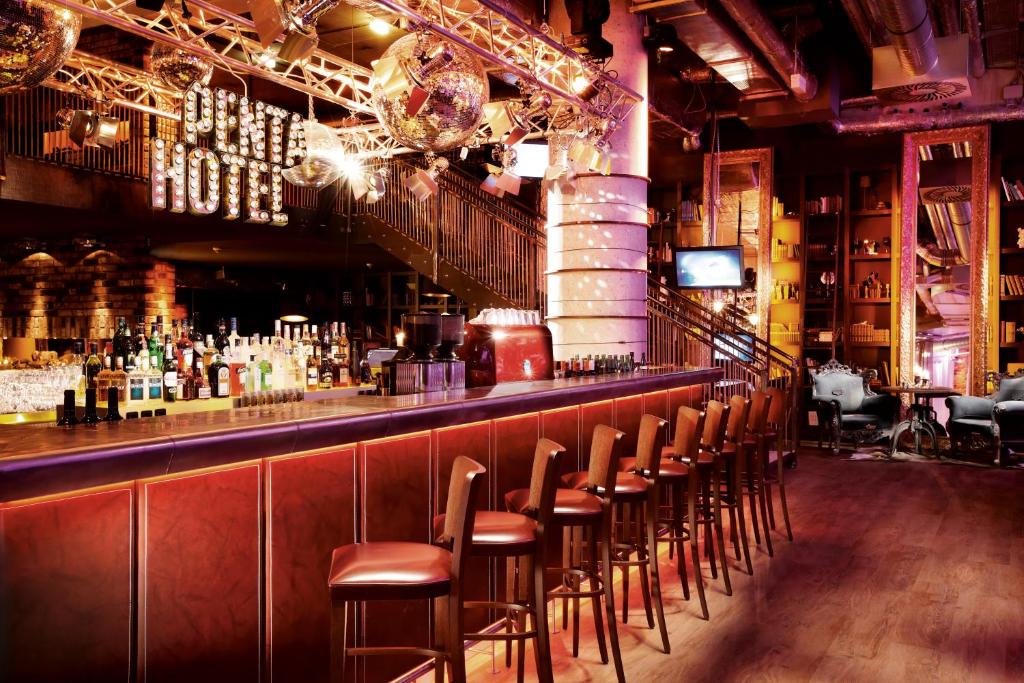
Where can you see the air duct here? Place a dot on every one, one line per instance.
(766, 37)
(898, 122)
(910, 28)
(973, 25)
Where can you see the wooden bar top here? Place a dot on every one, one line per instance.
(43, 459)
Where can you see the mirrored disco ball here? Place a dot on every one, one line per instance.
(453, 79)
(322, 164)
(178, 68)
(35, 39)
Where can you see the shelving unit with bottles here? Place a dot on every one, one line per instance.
(784, 321)
(872, 276)
(1010, 331)
(391, 294)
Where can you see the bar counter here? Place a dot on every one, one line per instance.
(196, 546)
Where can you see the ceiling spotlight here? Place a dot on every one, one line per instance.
(585, 88)
(501, 179)
(379, 26)
(589, 155)
(661, 38)
(86, 128)
(423, 183)
(397, 77)
(296, 18)
(510, 121)
(559, 168)
(377, 183)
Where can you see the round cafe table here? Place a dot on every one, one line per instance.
(920, 420)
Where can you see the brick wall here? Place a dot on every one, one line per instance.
(70, 291)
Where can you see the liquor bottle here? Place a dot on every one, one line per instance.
(238, 369)
(103, 376)
(202, 389)
(119, 379)
(155, 379)
(140, 335)
(219, 378)
(193, 330)
(185, 347)
(170, 371)
(253, 379)
(313, 370)
(137, 381)
(209, 351)
(342, 358)
(222, 343)
(90, 407)
(326, 380)
(156, 350)
(276, 339)
(121, 341)
(186, 384)
(266, 371)
(233, 336)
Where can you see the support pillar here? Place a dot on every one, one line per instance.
(597, 236)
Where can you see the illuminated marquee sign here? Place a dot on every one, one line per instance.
(231, 158)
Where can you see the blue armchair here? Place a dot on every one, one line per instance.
(847, 408)
(984, 423)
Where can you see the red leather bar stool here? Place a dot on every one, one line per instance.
(733, 455)
(754, 465)
(674, 478)
(709, 471)
(774, 437)
(588, 513)
(636, 497)
(362, 572)
(516, 535)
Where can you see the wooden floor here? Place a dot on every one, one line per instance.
(899, 572)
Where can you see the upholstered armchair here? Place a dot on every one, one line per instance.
(847, 408)
(980, 423)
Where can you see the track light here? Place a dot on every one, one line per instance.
(661, 38)
(399, 78)
(379, 27)
(586, 88)
(510, 121)
(296, 18)
(501, 179)
(589, 155)
(423, 183)
(368, 186)
(86, 128)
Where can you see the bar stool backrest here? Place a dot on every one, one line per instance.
(648, 450)
(460, 513)
(604, 460)
(547, 461)
(689, 427)
(716, 414)
(777, 412)
(739, 411)
(760, 404)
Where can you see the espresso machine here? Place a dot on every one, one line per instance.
(426, 360)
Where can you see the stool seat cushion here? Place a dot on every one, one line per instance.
(498, 533)
(571, 506)
(670, 469)
(389, 570)
(626, 483)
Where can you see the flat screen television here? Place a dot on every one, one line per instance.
(709, 267)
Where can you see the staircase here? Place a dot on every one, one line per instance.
(486, 251)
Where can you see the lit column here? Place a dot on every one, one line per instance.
(597, 236)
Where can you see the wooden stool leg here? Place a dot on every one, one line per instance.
(577, 555)
(596, 600)
(567, 541)
(762, 497)
(676, 492)
(782, 496)
(339, 641)
(456, 652)
(511, 565)
(709, 524)
(642, 553)
(667, 489)
(737, 499)
(609, 595)
(542, 647)
(753, 487)
(624, 515)
(768, 486)
(691, 511)
(651, 550)
(524, 581)
(716, 486)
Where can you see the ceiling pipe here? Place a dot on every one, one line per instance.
(973, 25)
(910, 27)
(899, 122)
(947, 17)
(766, 37)
(859, 21)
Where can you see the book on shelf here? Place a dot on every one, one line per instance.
(783, 251)
(825, 204)
(690, 211)
(1011, 285)
(1007, 332)
(785, 333)
(1013, 190)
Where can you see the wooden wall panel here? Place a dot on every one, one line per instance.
(627, 419)
(396, 506)
(656, 403)
(310, 510)
(66, 587)
(563, 426)
(200, 576)
(515, 439)
(591, 415)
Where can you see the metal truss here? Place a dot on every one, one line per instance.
(513, 46)
(230, 42)
(108, 81)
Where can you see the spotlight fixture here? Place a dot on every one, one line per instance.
(501, 179)
(661, 38)
(423, 183)
(86, 128)
(559, 168)
(379, 26)
(377, 185)
(396, 77)
(511, 122)
(585, 20)
(590, 155)
(295, 19)
(586, 88)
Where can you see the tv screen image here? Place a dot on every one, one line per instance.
(709, 267)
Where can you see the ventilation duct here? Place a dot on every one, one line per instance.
(910, 29)
(946, 81)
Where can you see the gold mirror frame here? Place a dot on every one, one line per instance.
(763, 156)
(979, 138)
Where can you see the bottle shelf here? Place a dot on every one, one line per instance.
(869, 345)
(866, 301)
(871, 212)
(871, 257)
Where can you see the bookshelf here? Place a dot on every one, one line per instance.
(1010, 282)
(786, 263)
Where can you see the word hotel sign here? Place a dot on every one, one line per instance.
(233, 152)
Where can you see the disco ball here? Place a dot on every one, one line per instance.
(178, 68)
(323, 163)
(453, 81)
(35, 39)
